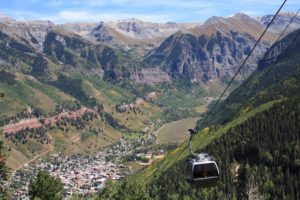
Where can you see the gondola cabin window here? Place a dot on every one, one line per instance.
(205, 170)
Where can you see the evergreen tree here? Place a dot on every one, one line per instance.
(134, 191)
(4, 172)
(39, 66)
(45, 187)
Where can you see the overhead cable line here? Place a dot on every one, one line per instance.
(241, 66)
(246, 82)
(287, 26)
(200, 161)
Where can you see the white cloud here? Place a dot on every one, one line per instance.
(86, 16)
(61, 11)
(258, 3)
(22, 14)
(252, 13)
(183, 4)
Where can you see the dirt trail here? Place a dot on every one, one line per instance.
(75, 139)
(36, 157)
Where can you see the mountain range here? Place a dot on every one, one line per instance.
(140, 50)
(80, 87)
(53, 69)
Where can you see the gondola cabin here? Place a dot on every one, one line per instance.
(202, 171)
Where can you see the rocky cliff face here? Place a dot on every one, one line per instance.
(281, 21)
(102, 33)
(31, 34)
(149, 76)
(281, 50)
(39, 43)
(82, 29)
(134, 34)
(35, 47)
(146, 30)
(212, 51)
(208, 52)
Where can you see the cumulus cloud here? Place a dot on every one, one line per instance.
(61, 11)
(184, 4)
(86, 16)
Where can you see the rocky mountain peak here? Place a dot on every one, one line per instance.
(102, 32)
(287, 13)
(130, 25)
(242, 16)
(214, 20)
(99, 26)
(83, 29)
(282, 19)
(6, 19)
(40, 24)
(130, 20)
(204, 57)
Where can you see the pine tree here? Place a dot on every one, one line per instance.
(4, 172)
(45, 187)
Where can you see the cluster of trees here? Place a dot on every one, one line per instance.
(40, 66)
(45, 186)
(40, 134)
(23, 135)
(267, 148)
(122, 108)
(80, 122)
(134, 157)
(113, 122)
(109, 118)
(4, 172)
(24, 114)
(134, 191)
(174, 114)
(23, 47)
(74, 88)
(7, 77)
(67, 105)
(155, 149)
(99, 108)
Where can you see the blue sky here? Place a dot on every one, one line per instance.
(61, 11)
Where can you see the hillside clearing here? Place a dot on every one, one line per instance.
(175, 132)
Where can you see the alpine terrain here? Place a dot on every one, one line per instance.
(100, 110)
